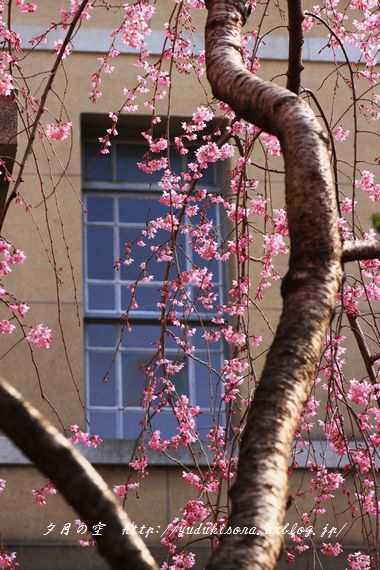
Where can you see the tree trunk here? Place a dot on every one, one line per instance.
(260, 493)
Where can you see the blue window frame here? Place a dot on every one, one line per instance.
(119, 200)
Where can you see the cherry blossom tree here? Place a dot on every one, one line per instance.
(260, 423)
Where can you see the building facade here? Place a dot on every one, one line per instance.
(78, 210)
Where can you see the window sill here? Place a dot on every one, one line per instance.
(111, 452)
(118, 452)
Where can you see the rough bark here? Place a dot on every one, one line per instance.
(295, 66)
(361, 250)
(8, 145)
(75, 478)
(260, 493)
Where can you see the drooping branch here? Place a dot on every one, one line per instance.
(295, 66)
(363, 347)
(41, 108)
(260, 493)
(75, 478)
(361, 250)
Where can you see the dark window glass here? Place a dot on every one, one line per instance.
(97, 166)
(99, 209)
(100, 258)
(103, 424)
(101, 335)
(102, 379)
(101, 297)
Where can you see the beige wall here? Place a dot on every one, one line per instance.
(47, 246)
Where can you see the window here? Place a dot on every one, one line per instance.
(119, 200)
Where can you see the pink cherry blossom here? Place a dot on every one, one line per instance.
(6, 327)
(40, 335)
(58, 131)
(359, 561)
(7, 560)
(6, 85)
(331, 549)
(341, 134)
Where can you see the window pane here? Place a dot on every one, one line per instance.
(102, 387)
(99, 209)
(207, 385)
(146, 297)
(204, 423)
(181, 379)
(100, 257)
(97, 166)
(127, 158)
(101, 297)
(103, 424)
(166, 423)
(139, 211)
(131, 426)
(141, 254)
(133, 377)
(101, 335)
(144, 336)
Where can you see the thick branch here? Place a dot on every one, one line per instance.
(8, 144)
(75, 478)
(361, 250)
(260, 493)
(295, 66)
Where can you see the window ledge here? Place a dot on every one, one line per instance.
(111, 452)
(118, 452)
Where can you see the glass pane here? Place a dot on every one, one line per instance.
(135, 210)
(204, 423)
(146, 297)
(206, 383)
(144, 336)
(104, 424)
(100, 257)
(101, 297)
(177, 162)
(99, 209)
(101, 335)
(133, 377)
(127, 158)
(141, 254)
(102, 379)
(131, 426)
(166, 423)
(181, 379)
(97, 166)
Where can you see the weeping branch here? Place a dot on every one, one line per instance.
(260, 493)
(75, 478)
(363, 347)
